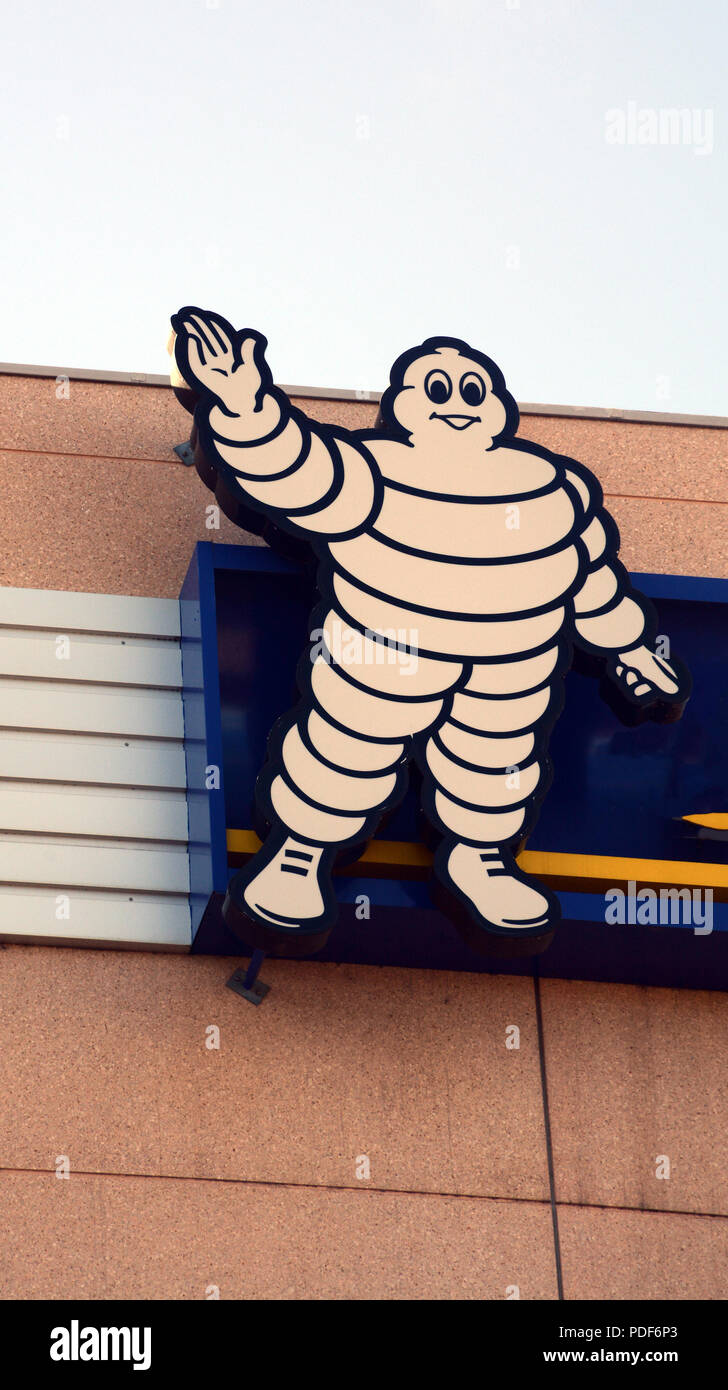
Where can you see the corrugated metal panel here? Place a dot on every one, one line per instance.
(93, 810)
(46, 655)
(123, 813)
(64, 862)
(64, 757)
(89, 709)
(95, 918)
(71, 612)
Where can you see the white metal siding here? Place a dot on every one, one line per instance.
(93, 809)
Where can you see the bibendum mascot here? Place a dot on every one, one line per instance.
(459, 565)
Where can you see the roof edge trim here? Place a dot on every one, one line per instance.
(586, 412)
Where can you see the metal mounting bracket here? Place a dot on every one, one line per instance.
(246, 982)
(185, 453)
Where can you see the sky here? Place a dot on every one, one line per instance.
(350, 178)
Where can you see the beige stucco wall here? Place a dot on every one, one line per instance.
(241, 1168)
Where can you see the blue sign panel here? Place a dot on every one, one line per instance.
(618, 805)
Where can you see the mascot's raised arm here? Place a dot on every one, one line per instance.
(459, 566)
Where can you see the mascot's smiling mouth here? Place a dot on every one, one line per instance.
(456, 422)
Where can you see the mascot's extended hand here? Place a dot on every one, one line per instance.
(645, 676)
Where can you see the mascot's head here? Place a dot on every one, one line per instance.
(449, 399)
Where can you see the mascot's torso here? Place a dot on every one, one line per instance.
(482, 570)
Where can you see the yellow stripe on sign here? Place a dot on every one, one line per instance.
(712, 820)
(242, 842)
(602, 868)
(595, 869)
(397, 853)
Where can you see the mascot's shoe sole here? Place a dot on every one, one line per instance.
(485, 937)
(264, 935)
(265, 900)
(486, 940)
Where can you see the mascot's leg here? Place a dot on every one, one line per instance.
(484, 776)
(339, 764)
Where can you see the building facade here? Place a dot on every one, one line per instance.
(371, 1131)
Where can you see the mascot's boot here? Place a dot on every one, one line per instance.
(282, 902)
(497, 909)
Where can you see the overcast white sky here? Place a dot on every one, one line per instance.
(352, 177)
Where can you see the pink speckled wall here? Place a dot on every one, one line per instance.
(93, 496)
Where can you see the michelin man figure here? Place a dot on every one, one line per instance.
(459, 565)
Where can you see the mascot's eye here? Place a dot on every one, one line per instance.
(438, 387)
(472, 388)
